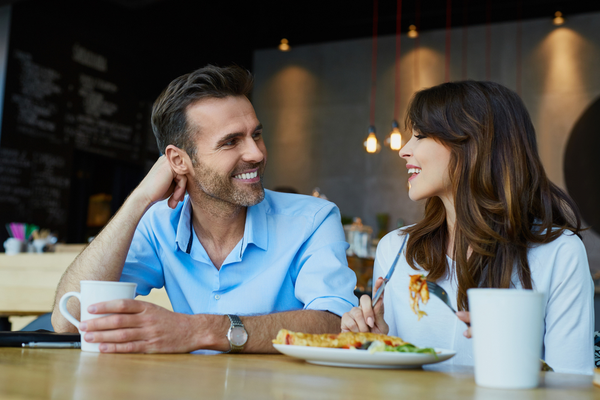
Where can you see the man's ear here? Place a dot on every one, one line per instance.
(179, 160)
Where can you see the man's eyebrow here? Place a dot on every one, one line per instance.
(230, 136)
(234, 135)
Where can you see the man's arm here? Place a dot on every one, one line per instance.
(263, 329)
(104, 258)
(140, 327)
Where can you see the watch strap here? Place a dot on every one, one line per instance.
(235, 320)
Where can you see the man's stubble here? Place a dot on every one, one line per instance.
(223, 189)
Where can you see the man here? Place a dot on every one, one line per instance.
(227, 249)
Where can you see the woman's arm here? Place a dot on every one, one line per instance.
(569, 319)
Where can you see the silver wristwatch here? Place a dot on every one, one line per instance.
(237, 334)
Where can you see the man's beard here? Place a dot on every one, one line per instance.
(223, 188)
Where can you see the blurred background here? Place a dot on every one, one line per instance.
(79, 79)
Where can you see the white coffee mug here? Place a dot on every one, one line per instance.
(508, 329)
(13, 246)
(93, 292)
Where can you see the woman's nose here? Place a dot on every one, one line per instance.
(406, 150)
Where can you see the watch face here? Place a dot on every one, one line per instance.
(238, 336)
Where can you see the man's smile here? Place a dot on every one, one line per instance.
(250, 176)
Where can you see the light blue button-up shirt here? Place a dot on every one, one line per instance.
(292, 257)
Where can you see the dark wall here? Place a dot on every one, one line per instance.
(81, 79)
(581, 159)
(72, 114)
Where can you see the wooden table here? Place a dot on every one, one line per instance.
(72, 374)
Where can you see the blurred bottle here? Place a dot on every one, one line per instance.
(358, 237)
(317, 193)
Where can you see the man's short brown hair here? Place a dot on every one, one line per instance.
(169, 121)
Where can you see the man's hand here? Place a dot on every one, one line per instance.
(161, 183)
(104, 258)
(141, 327)
(365, 318)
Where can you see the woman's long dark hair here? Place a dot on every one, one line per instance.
(504, 201)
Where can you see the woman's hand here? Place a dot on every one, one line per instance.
(365, 318)
(465, 317)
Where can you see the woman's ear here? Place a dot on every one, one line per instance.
(179, 160)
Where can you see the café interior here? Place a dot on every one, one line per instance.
(78, 80)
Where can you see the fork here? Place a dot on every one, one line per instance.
(440, 293)
(389, 274)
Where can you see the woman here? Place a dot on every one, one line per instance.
(492, 219)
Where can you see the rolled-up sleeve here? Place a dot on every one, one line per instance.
(143, 265)
(324, 281)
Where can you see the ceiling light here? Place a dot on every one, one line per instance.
(284, 45)
(412, 32)
(558, 19)
(372, 144)
(395, 138)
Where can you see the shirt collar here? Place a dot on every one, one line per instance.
(184, 237)
(255, 230)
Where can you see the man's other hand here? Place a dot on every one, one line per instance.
(161, 183)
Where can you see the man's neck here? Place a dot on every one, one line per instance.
(218, 225)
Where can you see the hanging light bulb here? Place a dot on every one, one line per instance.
(395, 138)
(284, 45)
(558, 19)
(412, 32)
(372, 144)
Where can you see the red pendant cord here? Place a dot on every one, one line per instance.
(398, 30)
(448, 38)
(374, 64)
(488, 42)
(465, 40)
(417, 43)
(518, 47)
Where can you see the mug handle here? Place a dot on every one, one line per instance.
(62, 306)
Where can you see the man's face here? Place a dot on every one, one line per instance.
(231, 154)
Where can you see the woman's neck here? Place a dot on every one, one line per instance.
(450, 222)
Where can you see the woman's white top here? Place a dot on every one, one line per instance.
(559, 269)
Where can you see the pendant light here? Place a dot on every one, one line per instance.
(558, 19)
(371, 143)
(284, 45)
(412, 32)
(394, 140)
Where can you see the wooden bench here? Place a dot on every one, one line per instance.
(28, 284)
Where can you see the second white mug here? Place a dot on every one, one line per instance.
(508, 328)
(93, 292)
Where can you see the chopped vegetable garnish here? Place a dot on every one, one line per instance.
(377, 346)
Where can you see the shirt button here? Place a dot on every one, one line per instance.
(217, 297)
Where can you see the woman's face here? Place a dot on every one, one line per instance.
(427, 162)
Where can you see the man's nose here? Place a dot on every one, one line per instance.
(252, 151)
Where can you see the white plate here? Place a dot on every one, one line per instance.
(362, 358)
